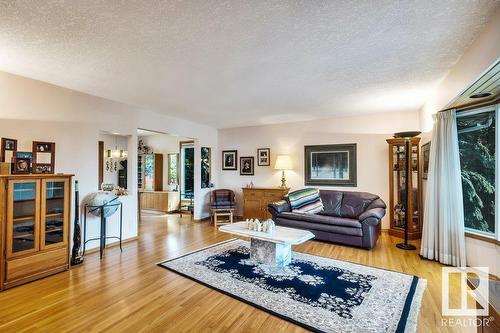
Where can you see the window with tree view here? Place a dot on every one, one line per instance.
(477, 144)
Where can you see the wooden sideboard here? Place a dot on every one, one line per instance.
(255, 201)
(34, 227)
(164, 201)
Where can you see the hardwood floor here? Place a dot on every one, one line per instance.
(128, 292)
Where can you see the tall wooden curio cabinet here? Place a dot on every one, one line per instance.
(397, 188)
(35, 228)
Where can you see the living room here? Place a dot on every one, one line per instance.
(290, 214)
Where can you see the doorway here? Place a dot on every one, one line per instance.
(160, 173)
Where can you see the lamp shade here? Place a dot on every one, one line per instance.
(283, 162)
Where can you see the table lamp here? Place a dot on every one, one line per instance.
(283, 162)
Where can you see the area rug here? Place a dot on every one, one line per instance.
(320, 294)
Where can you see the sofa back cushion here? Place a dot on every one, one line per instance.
(355, 203)
(306, 200)
(332, 201)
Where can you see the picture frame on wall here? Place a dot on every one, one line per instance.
(263, 157)
(7, 145)
(330, 165)
(229, 160)
(426, 153)
(247, 166)
(44, 155)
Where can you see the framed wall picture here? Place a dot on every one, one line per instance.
(247, 166)
(426, 153)
(21, 165)
(263, 157)
(8, 149)
(330, 165)
(44, 155)
(229, 160)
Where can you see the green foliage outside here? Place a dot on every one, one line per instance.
(476, 135)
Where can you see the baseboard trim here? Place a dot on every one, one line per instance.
(112, 244)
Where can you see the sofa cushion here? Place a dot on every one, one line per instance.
(332, 201)
(323, 219)
(306, 200)
(334, 229)
(355, 203)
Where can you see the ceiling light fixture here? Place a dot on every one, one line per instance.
(481, 95)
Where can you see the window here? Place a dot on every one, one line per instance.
(205, 167)
(173, 167)
(478, 138)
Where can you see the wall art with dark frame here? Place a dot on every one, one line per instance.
(7, 145)
(263, 157)
(330, 165)
(229, 160)
(44, 156)
(247, 166)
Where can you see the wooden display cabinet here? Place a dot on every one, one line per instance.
(397, 188)
(34, 233)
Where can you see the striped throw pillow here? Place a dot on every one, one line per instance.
(306, 200)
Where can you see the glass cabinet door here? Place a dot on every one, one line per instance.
(23, 217)
(54, 213)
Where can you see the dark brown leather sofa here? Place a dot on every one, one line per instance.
(350, 218)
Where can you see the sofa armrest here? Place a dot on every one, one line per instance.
(278, 207)
(374, 214)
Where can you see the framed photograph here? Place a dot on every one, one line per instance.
(426, 153)
(44, 156)
(330, 165)
(7, 145)
(246, 166)
(21, 165)
(264, 157)
(229, 160)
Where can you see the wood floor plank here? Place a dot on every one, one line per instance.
(128, 292)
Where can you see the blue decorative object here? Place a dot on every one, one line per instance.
(317, 293)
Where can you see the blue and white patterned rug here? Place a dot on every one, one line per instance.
(317, 293)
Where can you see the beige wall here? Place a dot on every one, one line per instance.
(368, 132)
(34, 110)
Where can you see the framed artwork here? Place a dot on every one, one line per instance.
(246, 166)
(44, 155)
(426, 153)
(264, 157)
(21, 165)
(330, 165)
(7, 145)
(229, 160)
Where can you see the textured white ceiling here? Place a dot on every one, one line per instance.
(235, 63)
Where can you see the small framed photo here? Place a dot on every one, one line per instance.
(44, 156)
(42, 168)
(247, 166)
(263, 157)
(229, 160)
(21, 165)
(7, 145)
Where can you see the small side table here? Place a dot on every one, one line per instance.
(222, 212)
(102, 237)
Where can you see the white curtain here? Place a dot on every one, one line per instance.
(443, 237)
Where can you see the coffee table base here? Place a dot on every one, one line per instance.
(269, 253)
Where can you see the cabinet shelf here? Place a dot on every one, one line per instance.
(23, 218)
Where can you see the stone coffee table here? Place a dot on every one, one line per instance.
(273, 249)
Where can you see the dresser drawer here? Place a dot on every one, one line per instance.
(36, 263)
